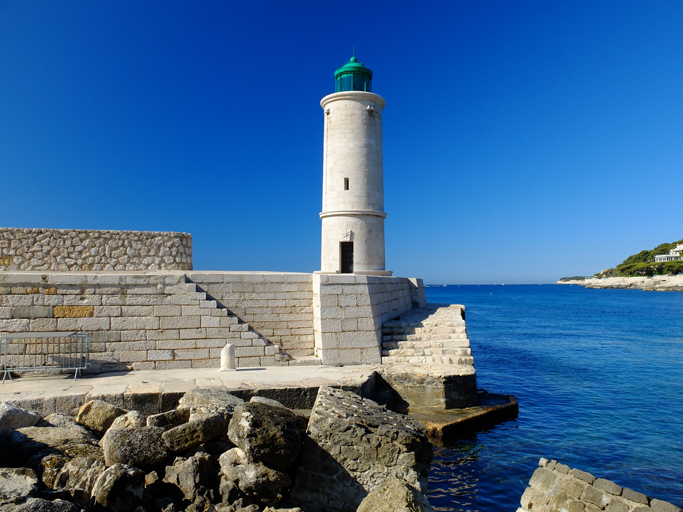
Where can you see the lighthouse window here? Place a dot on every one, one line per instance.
(346, 183)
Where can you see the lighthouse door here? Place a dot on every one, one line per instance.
(346, 257)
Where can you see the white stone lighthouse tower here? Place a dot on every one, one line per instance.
(353, 184)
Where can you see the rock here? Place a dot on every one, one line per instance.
(129, 420)
(120, 488)
(214, 398)
(59, 420)
(170, 419)
(354, 445)
(196, 477)
(47, 465)
(195, 432)
(142, 447)
(254, 478)
(271, 509)
(248, 508)
(264, 400)
(203, 403)
(26, 442)
(16, 486)
(78, 477)
(167, 505)
(98, 415)
(13, 417)
(267, 433)
(395, 496)
(41, 505)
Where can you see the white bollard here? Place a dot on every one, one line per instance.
(228, 358)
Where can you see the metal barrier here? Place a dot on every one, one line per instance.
(37, 351)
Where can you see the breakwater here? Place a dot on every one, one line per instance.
(556, 486)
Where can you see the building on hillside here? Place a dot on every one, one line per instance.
(674, 255)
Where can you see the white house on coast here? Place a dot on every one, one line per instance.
(674, 255)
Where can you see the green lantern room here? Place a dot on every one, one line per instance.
(353, 76)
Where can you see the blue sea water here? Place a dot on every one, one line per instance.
(598, 375)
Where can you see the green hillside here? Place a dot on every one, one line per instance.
(643, 264)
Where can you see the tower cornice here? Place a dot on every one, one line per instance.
(354, 96)
(352, 213)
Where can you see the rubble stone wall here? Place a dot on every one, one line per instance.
(555, 486)
(77, 250)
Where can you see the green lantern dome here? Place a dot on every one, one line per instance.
(353, 76)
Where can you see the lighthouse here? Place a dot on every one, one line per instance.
(353, 183)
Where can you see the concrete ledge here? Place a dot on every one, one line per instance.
(439, 386)
(444, 424)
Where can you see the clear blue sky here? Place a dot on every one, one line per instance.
(523, 141)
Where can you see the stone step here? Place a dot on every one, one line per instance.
(423, 330)
(428, 360)
(423, 337)
(306, 361)
(464, 343)
(393, 324)
(426, 352)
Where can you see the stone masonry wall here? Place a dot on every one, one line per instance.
(82, 250)
(349, 310)
(278, 306)
(555, 486)
(176, 319)
(137, 321)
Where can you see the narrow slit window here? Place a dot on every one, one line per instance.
(346, 183)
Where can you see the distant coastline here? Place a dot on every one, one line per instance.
(653, 283)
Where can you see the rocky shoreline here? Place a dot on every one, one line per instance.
(215, 452)
(652, 283)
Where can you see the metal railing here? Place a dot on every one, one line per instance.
(39, 351)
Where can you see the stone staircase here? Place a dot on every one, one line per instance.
(435, 334)
(237, 331)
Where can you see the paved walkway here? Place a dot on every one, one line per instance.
(61, 393)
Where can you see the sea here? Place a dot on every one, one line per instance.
(598, 375)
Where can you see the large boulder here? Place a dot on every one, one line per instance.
(196, 477)
(129, 420)
(395, 496)
(195, 432)
(41, 505)
(354, 446)
(120, 488)
(98, 415)
(12, 417)
(266, 433)
(255, 479)
(142, 447)
(16, 486)
(25, 443)
(78, 477)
